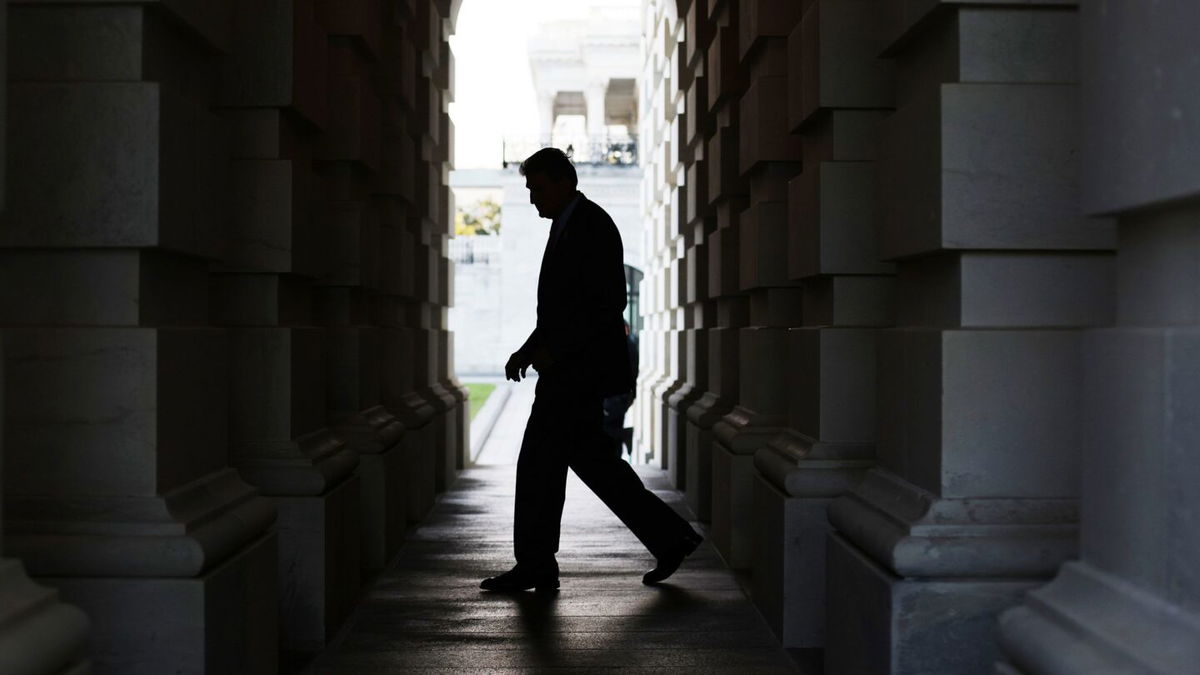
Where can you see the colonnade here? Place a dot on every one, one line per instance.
(223, 292)
(918, 322)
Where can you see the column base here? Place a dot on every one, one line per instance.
(417, 450)
(884, 624)
(676, 436)
(374, 434)
(666, 415)
(1089, 621)
(224, 621)
(917, 534)
(444, 445)
(319, 578)
(737, 437)
(382, 506)
(701, 417)
(38, 634)
(461, 422)
(792, 492)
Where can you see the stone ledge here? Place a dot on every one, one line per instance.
(1088, 621)
(914, 533)
(742, 431)
(308, 465)
(788, 463)
(180, 534)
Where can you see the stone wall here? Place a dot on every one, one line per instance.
(38, 634)
(893, 343)
(224, 287)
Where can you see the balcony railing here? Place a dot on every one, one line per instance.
(583, 150)
(475, 250)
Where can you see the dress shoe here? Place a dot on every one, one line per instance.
(521, 579)
(670, 561)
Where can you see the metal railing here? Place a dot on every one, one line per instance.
(475, 250)
(583, 150)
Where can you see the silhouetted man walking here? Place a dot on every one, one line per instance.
(580, 353)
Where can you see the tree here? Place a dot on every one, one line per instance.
(480, 218)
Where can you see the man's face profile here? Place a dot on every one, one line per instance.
(548, 195)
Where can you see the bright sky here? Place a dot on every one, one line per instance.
(494, 93)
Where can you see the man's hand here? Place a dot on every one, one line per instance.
(515, 368)
(542, 360)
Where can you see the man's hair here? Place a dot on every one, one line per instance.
(552, 162)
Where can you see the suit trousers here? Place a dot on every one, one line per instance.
(564, 431)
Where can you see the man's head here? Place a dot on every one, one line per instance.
(551, 180)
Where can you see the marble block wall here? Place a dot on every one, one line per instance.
(766, 156)
(38, 633)
(224, 288)
(895, 252)
(119, 491)
(1131, 602)
(660, 374)
(838, 92)
(974, 498)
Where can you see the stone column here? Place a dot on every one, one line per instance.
(38, 634)
(278, 89)
(718, 96)
(661, 190)
(838, 90)
(117, 400)
(546, 116)
(1131, 603)
(430, 221)
(402, 258)
(767, 157)
(974, 499)
(348, 159)
(698, 221)
(593, 96)
(459, 426)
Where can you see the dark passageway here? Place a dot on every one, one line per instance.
(427, 613)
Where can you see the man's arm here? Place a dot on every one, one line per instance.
(521, 359)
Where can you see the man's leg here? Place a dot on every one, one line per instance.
(615, 482)
(541, 487)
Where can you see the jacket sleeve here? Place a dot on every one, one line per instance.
(531, 344)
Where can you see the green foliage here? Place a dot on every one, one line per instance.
(480, 218)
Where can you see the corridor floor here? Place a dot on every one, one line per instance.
(427, 614)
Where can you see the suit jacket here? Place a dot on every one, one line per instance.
(581, 303)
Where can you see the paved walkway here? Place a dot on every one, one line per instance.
(427, 614)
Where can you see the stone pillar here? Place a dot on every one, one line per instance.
(348, 160)
(278, 87)
(699, 308)
(662, 192)
(38, 634)
(1131, 603)
(430, 223)
(593, 96)
(766, 156)
(690, 269)
(974, 498)
(717, 95)
(546, 116)
(117, 404)
(838, 91)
